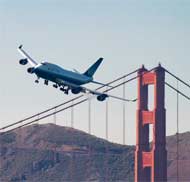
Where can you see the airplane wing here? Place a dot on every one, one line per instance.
(25, 55)
(101, 96)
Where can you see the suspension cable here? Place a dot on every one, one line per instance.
(57, 111)
(124, 112)
(77, 103)
(130, 79)
(177, 135)
(76, 98)
(72, 116)
(181, 93)
(48, 115)
(43, 112)
(185, 83)
(89, 116)
(38, 114)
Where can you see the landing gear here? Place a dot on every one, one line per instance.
(46, 82)
(65, 90)
(55, 85)
(37, 80)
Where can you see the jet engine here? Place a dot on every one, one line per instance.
(30, 70)
(102, 97)
(23, 61)
(76, 90)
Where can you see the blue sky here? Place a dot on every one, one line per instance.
(74, 34)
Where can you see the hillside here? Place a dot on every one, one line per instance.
(184, 157)
(55, 153)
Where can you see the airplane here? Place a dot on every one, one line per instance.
(64, 79)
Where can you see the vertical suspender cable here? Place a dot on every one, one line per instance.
(124, 120)
(89, 116)
(72, 115)
(54, 148)
(89, 161)
(124, 112)
(177, 135)
(54, 117)
(72, 143)
(107, 118)
(106, 147)
(20, 145)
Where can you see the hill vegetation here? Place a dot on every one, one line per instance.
(55, 153)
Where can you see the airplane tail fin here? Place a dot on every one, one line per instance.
(90, 72)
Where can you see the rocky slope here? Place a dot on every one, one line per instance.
(54, 153)
(45, 153)
(183, 157)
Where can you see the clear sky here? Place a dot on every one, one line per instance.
(73, 34)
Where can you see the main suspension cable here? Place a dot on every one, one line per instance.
(67, 102)
(185, 83)
(77, 103)
(181, 93)
(72, 105)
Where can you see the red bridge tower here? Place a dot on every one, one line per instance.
(151, 160)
